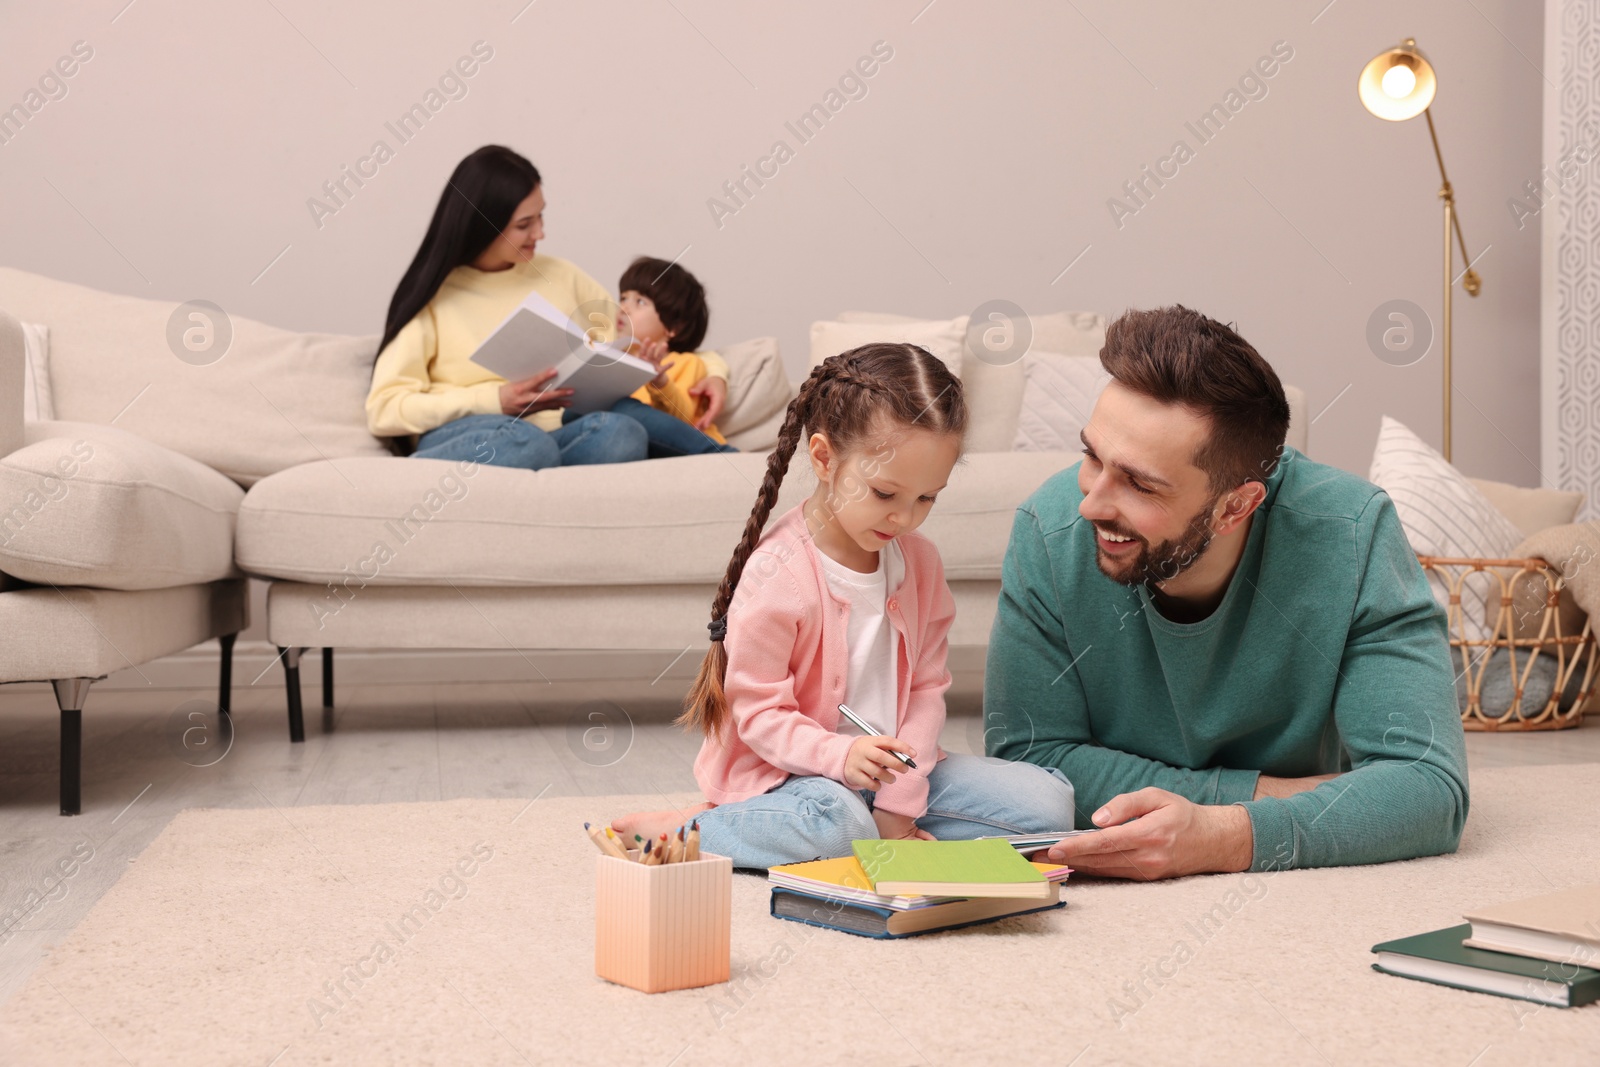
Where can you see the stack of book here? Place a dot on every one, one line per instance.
(915, 887)
(1545, 949)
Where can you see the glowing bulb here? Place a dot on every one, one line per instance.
(1398, 81)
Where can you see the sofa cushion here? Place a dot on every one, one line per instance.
(82, 504)
(270, 400)
(431, 522)
(1070, 333)
(758, 394)
(991, 405)
(945, 338)
(994, 390)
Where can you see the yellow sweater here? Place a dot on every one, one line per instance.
(426, 378)
(686, 369)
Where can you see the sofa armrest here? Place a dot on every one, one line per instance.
(13, 355)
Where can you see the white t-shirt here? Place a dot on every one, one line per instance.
(872, 685)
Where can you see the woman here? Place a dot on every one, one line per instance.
(478, 262)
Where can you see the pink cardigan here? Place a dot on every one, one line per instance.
(788, 662)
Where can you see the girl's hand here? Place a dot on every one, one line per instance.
(871, 761)
(519, 398)
(896, 827)
(715, 391)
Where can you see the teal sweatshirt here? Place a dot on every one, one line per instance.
(1327, 654)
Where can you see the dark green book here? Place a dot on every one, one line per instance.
(1440, 957)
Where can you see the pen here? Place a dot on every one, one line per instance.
(861, 724)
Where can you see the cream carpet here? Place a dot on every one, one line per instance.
(274, 937)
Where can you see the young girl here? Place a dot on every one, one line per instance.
(476, 263)
(842, 602)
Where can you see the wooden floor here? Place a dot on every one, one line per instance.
(150, 753)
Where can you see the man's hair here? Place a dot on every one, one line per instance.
(1179, 356)
(679, 298)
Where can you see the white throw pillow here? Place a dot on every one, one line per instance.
(1444, 514)
(1056, 401)
(37, 405)
(945, 338)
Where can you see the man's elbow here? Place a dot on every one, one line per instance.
(1448, 818)
(1459, 805)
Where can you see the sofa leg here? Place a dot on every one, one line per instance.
(225, 674)
(70, 696)
(327, 677)
(291, 681)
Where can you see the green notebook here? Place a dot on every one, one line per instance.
(1440, 957)
(987, 867)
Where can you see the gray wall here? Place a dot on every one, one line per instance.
(978, 164)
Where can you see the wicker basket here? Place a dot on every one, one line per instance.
(1574, 654)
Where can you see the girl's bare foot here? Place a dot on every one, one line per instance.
(652, 824)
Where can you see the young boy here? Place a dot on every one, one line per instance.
(663, 307)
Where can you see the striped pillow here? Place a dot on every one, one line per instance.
(1444, 514)
(1057, 400)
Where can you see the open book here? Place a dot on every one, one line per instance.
(536, 335)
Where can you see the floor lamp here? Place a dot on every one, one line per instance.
(1397, 85)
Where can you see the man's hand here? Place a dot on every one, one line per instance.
(893, 826)
(715, 391)
(1267, 786)
(519, 398)
(1153, 834)
(871, 761)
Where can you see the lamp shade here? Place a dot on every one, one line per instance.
(1397, 84)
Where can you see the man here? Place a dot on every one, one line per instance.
(1231, 651)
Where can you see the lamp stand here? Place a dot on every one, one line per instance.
(1469, 278)
(1449, 262)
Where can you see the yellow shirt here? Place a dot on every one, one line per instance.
(426, 378)
(685, 369)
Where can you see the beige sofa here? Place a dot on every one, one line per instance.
(265, 449)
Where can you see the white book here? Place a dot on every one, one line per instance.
(1562, 927)
(536, 336)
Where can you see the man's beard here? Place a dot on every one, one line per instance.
(1165, 561)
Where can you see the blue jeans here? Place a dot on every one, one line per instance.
(507, 441)
(669, 435)
(810, 817)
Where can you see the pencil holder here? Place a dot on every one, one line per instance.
(663, 927)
